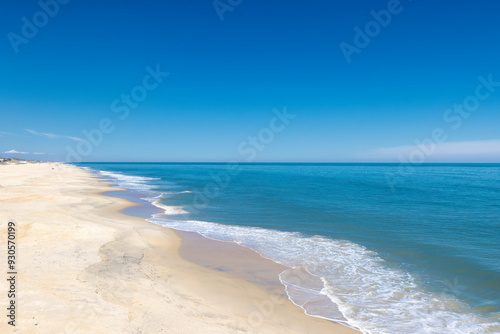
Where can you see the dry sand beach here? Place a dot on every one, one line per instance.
(84, 267)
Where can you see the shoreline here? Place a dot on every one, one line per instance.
(106, 271)
(245, 262)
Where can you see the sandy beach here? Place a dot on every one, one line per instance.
(84, 267)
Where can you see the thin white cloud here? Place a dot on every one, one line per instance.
(488, 149)
(73, 138)
(52, 136)
(38, 153)
(15, 152)
(3, 133)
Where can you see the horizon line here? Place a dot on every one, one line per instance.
(276, 162)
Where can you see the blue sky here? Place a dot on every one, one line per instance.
(229, 79)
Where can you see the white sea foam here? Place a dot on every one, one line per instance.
(168, 210)
(348, 283)
(139, 183)
(171, 193)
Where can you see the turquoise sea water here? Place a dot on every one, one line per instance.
(420, 256)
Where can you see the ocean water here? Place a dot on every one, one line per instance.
(420, 255)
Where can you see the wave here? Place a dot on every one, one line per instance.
(347, 283)
(139, 183)
(169, 210)
(171, 193)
